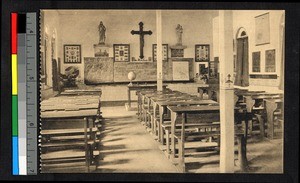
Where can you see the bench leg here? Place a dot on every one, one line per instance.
(242, 153)
(261, 125)
(181, 163)
(167, 141)
(152, 123)
(250, 127)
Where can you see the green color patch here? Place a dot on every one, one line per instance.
(14, 115)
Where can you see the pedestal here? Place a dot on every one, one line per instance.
(177, 51)
(101, 50)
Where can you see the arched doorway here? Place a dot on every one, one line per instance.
(242, 61)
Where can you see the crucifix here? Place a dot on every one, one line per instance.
(141, 32)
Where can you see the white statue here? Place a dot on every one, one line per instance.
(179, 31)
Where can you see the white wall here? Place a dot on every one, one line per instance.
(246, 19)
(81, 27)
(197, 29)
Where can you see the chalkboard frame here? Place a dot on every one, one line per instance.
(118, 45)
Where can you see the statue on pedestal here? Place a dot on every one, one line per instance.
(177, 51)
(179, 31)
(101, 29)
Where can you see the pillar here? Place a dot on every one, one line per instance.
(226, 91)
(159, 54)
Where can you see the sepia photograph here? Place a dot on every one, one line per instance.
(161, 91)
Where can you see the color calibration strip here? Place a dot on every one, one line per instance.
(14, 79)
(24, 94)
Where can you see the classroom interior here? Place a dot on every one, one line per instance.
(161, 91)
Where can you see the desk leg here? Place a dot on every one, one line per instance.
(270, 107)
(270, 116)
(261, 125)
(154, 119)
(161, 120)
(242, 152)
(173, 123)
(129, 98)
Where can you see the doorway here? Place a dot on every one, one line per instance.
(242, 61)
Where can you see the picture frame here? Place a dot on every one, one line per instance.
(165, 52)
(256, 61)
(203, 68)
(202, 52)
(72, 54)
(121, 52)
(262, 29)
(270, 60)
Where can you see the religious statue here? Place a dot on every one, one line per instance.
(179, 32)
(101, 29)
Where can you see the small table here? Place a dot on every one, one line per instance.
(139, 87)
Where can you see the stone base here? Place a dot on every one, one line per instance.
(101, 50)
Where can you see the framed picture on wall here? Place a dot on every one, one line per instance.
(202, 52)
(164, 49)
(203, 68)
(72, 54)
(256, 61)
(121, 52)
(262, 29)
(270, 61)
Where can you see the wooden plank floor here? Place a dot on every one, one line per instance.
(128, 147)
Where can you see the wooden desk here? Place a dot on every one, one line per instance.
(139, 87)
(149, 100)
(271, 106)
(141, 98)
(184, 110)
(69, 107)
(81, 92)
(75, 114)
(255, 106)
(80, 114)
(162, 106)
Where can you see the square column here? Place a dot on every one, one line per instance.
(159, 51)
(226, 91)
